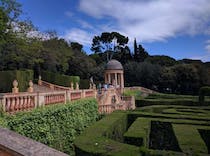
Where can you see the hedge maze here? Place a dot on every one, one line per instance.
(151, 130)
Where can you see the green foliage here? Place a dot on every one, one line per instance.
(111, 134)
(76, 46)
(161, 60)
(84, 83)
(109, 43)
(169, 99)
(142, 74)
(22, 76)
(204, 91)
(135, 93)
(57, 125)
(62, 80)
(140, 53)
(100, 142)
(56, 55)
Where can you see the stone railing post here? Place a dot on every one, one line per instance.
(40, 100)
(68, 96)
(77, 86)
(40, 80)
(15, 87)
(72, 86)
(30, 88)
(3, 103)
(83, 94)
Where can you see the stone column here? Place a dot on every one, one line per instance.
(109, 78)
(105, 77)
(122, 80)
(115, 77)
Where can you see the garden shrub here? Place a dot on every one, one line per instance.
(22, 76)
(84, 83)
(135, 93)
(62, 80)
(100, 138)
(56, 125)
(204, 91)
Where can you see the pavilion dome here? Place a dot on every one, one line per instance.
(114, 65)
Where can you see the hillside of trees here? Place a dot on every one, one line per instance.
(21, 47)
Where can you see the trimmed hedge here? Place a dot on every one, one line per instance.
(100, 139)
(105, 137)
(56, 125)
(22, 76)
(170, 96)
(62, 80)
(84, 84)
(204, 91)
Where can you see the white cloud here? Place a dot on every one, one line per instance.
(79, 35)
(85, 24)
(152, 20)
(207, 47)
(69, 13)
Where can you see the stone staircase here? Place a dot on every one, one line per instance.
(38, 88)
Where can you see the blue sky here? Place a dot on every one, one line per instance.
(177, 28)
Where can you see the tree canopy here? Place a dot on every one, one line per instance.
(109, 43)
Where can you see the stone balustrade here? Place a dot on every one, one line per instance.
(14, 144)
(18, 102)
(54, 97)
(24, 101)
(53, 86)
(105, 109)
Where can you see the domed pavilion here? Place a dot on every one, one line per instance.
(114, 74)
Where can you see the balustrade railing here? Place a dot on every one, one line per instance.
(18, 102)
(89, 93)
(54, 97)
(75, 95)
(105, 109)
(24, 101)
(53, 86)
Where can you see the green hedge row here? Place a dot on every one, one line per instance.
(183, 102)
(22, 76)
(62, 80)
(105, 137)
(170, 96)
(84, 84)
(100, 139)
(204, 91)
(56, 125)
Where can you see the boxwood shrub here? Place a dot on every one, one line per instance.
(57, 125)
(22, 76)
(62, 80)
(204, 91)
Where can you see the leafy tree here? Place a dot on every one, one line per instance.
(124, 55)
(56, 54)
(76, 46)
(187, 79)
(167, 80)
(11, 8)
(161, 60)
(142, 74)
(140, 54)
(109, 43)
(3, 27)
